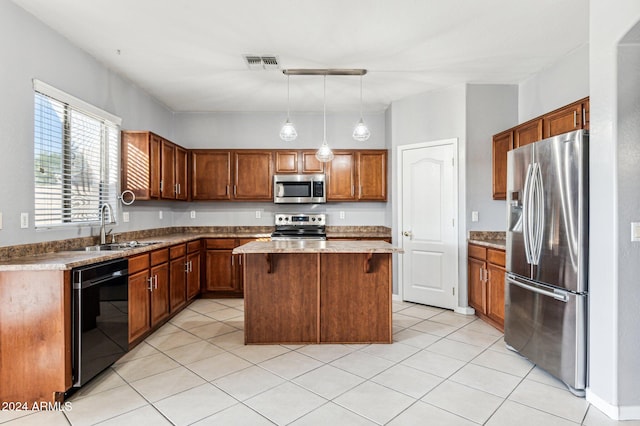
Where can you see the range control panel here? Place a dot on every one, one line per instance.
(300, 219)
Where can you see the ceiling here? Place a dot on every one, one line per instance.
(188, 54)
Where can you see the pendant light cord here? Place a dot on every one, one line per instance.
(288, 97)
(360, 96)
(324, 110)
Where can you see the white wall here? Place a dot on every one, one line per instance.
(560, 84)
(491, 108)
(614, 334)
(31, 50)
(428, 117)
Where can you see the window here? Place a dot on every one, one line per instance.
(75, 159)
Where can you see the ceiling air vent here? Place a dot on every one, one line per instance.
(258, 63)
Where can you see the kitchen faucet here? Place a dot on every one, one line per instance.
(103, 235)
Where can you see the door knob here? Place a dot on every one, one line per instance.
(407, 233)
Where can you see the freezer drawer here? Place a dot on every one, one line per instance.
(547, 326)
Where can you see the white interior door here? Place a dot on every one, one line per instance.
(429, 194)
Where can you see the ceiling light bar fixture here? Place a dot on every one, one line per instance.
(288, 132)
(324, 153)
(361, 133)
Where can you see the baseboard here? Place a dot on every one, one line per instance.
(395, 298)
(616, 412)
(464, 310)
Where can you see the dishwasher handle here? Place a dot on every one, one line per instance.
(100, 280)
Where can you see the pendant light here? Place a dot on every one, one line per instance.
(288, 132)
(324, 154)
(361, 133)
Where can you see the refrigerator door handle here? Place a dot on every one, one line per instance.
(556, 294)
(538, 208)
(526, 214)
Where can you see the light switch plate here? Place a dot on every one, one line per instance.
(125, 216)
(258, 214)
(635, 231)
(474, 216)
(192, 214)
(160, 214)
(24, 220)
(342, 214)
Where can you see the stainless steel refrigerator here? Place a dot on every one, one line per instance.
(547, 242)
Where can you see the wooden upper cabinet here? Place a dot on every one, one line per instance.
(564, 120)
(253, 175)
(153, 167)
(372, 175)
(341, 176)
(309, 163)
(303, 162)
(502, 143)
(286, 162)
(168, 170)
(527, 133)
(210, 175)
(141, 164)
(182, 177)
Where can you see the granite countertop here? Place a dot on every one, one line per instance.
(313, 246)
(64, 255)
(491, 239)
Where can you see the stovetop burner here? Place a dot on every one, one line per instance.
(300, 226)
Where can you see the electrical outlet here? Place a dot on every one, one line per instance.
(125, 216)
(24, 220)
(258, 214)
(474, 216)
(0, 220)
(160, 214)
(192, 214)
(342, 214)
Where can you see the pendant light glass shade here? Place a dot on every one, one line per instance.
(288, 132)
(361, 132)
(324, 154)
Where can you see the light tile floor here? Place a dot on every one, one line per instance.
(443, 369)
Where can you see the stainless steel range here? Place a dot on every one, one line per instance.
(300, 227)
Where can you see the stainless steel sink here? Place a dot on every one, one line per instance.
(118, 246)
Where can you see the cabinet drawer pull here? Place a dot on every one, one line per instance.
(150, 281)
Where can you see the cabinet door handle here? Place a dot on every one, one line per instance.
(175, 188)
(155, 285)
(179, 189)
(186, 267)
(150, 281)
(584, 116)
(161, 185)
(480, 274)
(191, 266)
(575, 119)
(226, 190)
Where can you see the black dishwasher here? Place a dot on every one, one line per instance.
(100, 327)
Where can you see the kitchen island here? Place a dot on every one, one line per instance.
(307, 291)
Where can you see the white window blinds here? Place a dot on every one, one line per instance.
(75, 159)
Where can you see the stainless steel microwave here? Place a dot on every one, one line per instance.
(299, 189)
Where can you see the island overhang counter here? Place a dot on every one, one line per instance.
(305, 291)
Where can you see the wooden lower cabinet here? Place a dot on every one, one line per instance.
(193, 269)
(178, 277)
(148, 274)
(318, 298)
(223, 269)
(486, 275)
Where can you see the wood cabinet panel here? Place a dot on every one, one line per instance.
(495, 293)
(181, 170)
(160, 293)
(286, 162)
(253, 175)
(281, 304)
(210, 175)
(502, 143)
(341, 176)
(159, 256)
(177, 283)
(193, 275)
(155, 167)
(527, 133)
(168, 171)
(497, 257)
(355, 300)
(139, 304)
(475, 276)
(141, 164)
(138, 263)
(220, 271)
(563, 120)
(372, 175)
(310, 164)
(35, 336)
